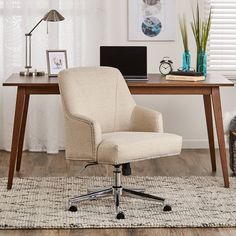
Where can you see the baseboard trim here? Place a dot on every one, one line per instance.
(202, 143)
(195, 144)
(187, 144)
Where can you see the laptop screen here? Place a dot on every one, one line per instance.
(131, 61)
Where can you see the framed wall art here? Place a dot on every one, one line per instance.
(152, 20)
(57, 61)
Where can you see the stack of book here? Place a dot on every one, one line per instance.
(185, 76)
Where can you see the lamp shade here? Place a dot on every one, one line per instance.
(53, 15)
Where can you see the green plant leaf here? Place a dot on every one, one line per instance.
(184, 32)
(200, 29)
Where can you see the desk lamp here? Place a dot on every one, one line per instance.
(52, 16)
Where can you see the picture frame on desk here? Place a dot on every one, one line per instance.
(56, 61)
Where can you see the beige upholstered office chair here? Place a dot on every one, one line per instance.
(104, 125)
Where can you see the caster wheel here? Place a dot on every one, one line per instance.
(167, 208)
(73, 208)
(120, 216)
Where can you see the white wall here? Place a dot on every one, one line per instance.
(183, 115)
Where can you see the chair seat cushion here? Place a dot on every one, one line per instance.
(123, 147)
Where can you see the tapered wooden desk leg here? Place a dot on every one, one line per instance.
(208, 113)
(220, 133)
(22, 132)
(19, 111)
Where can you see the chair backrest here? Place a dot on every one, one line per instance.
(99, 93)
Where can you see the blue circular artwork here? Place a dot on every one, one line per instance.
(151, 2)
(151, 26)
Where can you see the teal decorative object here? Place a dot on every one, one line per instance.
(202, 63)
(186, 61)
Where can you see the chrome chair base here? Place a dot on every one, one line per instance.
(117, 191)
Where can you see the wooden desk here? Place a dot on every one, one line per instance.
(209, 88)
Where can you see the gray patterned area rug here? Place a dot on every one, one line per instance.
(36, 203)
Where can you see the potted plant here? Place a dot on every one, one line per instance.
(201, 29)
(186, 54)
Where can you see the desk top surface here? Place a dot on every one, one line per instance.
(155, 80)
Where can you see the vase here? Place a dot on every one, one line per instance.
(186, 61)
(202, 63)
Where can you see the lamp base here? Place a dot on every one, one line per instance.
(32, 73)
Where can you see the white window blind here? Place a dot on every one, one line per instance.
(222, 40)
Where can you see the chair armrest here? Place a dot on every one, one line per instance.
(82, 137)
(146, 120)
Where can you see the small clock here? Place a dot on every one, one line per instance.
(165, 66)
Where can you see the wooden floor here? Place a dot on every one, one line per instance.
(190, 162)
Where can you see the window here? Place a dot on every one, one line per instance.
(222, 40)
